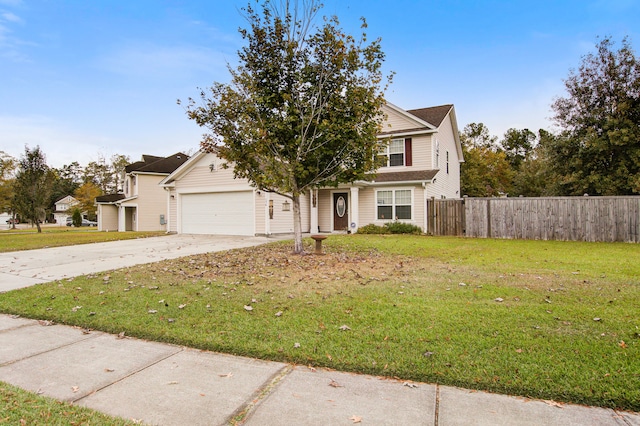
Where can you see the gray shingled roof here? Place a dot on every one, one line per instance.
(109, 198)
(411, 176)
(432, 115)
(153, 164)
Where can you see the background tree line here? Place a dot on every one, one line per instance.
(29, 188)
(596, 150)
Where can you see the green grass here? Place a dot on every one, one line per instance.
(421, 308)
(18, 407)
(29, 239)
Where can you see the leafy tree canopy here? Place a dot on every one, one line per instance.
(598, 150)
(33, 186)
(86, 195)
(303, 107)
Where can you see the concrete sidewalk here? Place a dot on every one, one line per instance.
(163, 384)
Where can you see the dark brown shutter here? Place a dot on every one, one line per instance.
(408, 158)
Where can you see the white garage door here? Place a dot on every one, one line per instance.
(222, 213)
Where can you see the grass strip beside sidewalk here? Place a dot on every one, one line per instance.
(29, 239)
(550, 320)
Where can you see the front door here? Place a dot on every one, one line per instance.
(340, 211)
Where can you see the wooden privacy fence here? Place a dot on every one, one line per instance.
(550, 218)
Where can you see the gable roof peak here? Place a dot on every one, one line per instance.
(432, 115)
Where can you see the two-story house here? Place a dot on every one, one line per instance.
(421, 160)
(143, 205)
(64, 209)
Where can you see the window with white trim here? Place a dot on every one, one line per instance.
(393, 154)
(437, 154)
(394, 204)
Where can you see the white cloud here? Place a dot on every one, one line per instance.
(10, 17)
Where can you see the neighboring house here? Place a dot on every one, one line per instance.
(64, 209)
(422, 161)
(143, 205)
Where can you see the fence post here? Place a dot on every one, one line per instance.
(488, 217)
(432, 216)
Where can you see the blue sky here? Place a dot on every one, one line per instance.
(90, 78)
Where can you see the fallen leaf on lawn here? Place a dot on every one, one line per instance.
(182, 306)
(428, 354)
(248, 308)
(597, 319)
(622, 344)
(121, 335)
(152, 311)
(499, 299)
(45, 323)
(356, 419)
(553, 403)
(161, 301)
(330, 357)
(345, 327)
(171, 320)
(226, 375)
(519, 351)
(279, 313)
(75, 308)
(75, 389)
(296, 345)
(335, 384)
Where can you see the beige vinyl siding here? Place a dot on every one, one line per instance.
(282, 222)
(325, 210)
(151, 202)
(421, 146)
(446, 185)
(305, 212)
(395, 121)
(260, 201)
(419, 206)
(173, 211)
(107, 217)
(200, 177)
(367, 206)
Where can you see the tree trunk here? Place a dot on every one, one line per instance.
(298, 248)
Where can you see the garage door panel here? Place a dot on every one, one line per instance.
(222, 213)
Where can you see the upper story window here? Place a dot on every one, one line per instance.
(397, 153)
(437, 145)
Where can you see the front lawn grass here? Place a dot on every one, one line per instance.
(18, 407)
(29, 239)
(543, 319)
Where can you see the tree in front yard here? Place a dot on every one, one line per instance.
(86, 195)
(33, 184)
(302, 110)
(598, 150)
(76, 218)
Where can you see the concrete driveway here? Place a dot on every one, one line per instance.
(25, 268)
